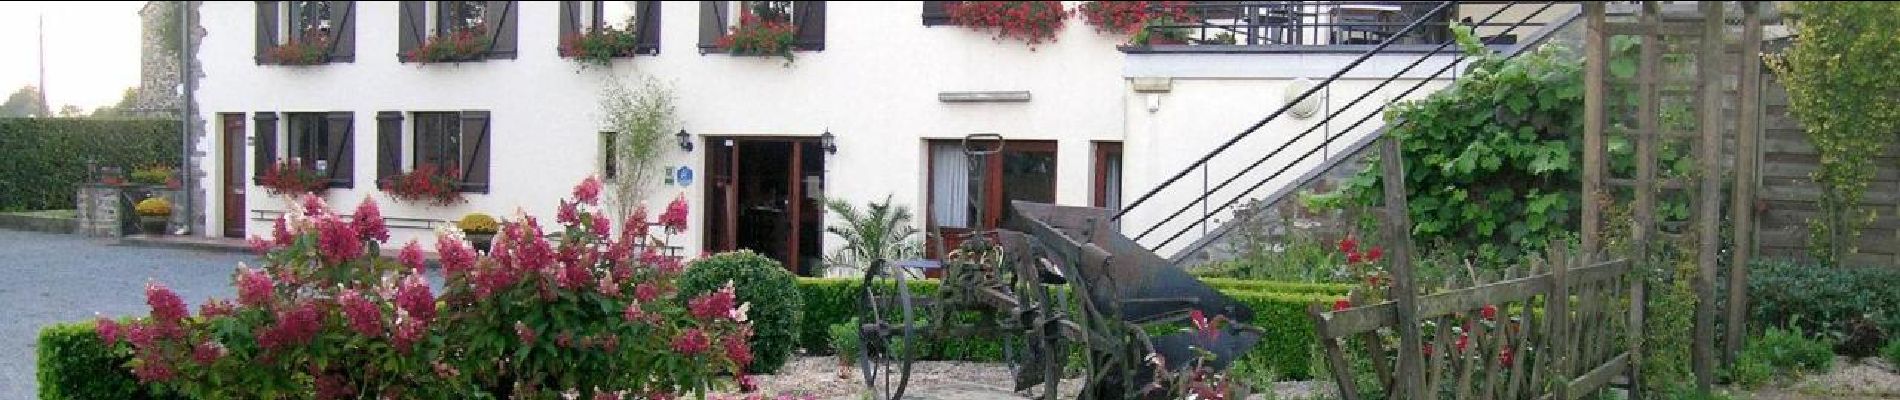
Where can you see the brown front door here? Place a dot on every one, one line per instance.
(763, 194)
(233, 172)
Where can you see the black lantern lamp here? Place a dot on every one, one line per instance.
(828, 142)
(686, 140)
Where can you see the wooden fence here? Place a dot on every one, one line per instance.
(1504, 339)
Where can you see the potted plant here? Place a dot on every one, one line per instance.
(312, 50)
(1127, 17)
(601, 46)
(153, 213)
(757, 35)
(291, 177)
(461, 45)
(1031, 21)
(427, 183)
(1163, 31)
(480, 229)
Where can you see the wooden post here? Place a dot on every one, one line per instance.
(1708, 207)
(1398, 238)
(1557, 315)
(1596, 54)
(1649, 128)
(1747, 131)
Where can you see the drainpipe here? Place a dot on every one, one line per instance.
(184, 122)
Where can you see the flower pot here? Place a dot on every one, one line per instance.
(480, 241)
(153, 224)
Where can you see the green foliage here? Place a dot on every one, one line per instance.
(642, 116)
(1841, 80)
(1669, 328)
(46, 157)
(1490, 161)
(1822, 300)
(1892, 351)
(1749, 370)
(772, 292)
(75, 365)
(879, 231)
(844, 340)
(1791, 350)
(1284, 350)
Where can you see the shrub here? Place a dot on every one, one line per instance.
(771, 292)
(1822, 300)
(157, 174)
(153, 207)
(844, 339)
(74, 364)
(326, 315)
(1892, 352)
(1749, 370)
(1791, 350)
(46, 157)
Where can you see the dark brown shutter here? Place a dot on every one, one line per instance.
(388, 145)
(342, 148)
(937, 13)
(266, 29)
(809, 17)
(712, 23)
(475, 137)
(570, 21)
(343, 39)
(412, 27)
(501, 19)
(264, 144)
(649, 38)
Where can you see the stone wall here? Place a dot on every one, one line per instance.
(157, 94)
(106, 211)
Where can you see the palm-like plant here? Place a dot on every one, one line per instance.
(879, 231)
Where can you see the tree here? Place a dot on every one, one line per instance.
(24, 103)
(123, 109)
(640, 115)
(879, 231)
(71, 111)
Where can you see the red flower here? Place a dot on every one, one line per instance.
(368, 221)
(691, 342)
(457, 258)
(1348, 245)
(107, 329)
(737, 350)
(1505, 356)
(280, 233)
(1490, 312)
(633, 312)
(364, 317)
(1427, 349)
(259, 245)
(1353, 258)
(411, 256)
(167, 308)
(674, 219)
(588, 191)
(1463, 339)
(214, 308)
(1341, 305)
(523, 332)
(567, 214)
(1374, 254)
(254, 287)
(337, 241)
(206, 352)
(710, 306)
(413, 297)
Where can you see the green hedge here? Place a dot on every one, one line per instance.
(1285, 351)
(1249, 285)
(46, 157)
(75, 364)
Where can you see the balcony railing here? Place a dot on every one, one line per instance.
(1266, 26)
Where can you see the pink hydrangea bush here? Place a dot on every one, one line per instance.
(587, 313)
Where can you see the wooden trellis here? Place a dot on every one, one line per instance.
(1590, 330)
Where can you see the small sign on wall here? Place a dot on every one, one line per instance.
(684, 175)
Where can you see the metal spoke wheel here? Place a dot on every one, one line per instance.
(1037, 348)
(886, 331)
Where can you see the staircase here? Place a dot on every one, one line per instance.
(1195, 232)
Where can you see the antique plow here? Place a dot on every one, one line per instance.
(1054, 282)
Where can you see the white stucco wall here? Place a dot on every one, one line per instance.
(874, 86)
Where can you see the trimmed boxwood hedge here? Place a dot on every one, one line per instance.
(75, 364)
(46, 157)
(1284, 352)
(769, 289)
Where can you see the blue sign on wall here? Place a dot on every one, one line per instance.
(684, 175)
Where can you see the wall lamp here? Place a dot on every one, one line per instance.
(686, 140)
(828, 142)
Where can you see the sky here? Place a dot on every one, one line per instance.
(92, 50)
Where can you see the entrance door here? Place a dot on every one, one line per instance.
(233, 172)
(764, 194)
(1025, 170)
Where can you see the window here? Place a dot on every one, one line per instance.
(456, 141)
(305, 32)
(421, 22)
(637, 21)
(937, 13)
(716, 18)
(438, 140)
(320, 141)
(1024, 170)
(1108, 176)
(608, 165)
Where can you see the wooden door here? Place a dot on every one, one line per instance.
(233, 172)
(722, 192)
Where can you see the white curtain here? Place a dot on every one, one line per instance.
(1112, 187)
(949, 185)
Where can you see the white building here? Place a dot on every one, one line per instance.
(894, 85)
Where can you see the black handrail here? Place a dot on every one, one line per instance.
(1442, 6)
(1206, 241)
(1309, 130)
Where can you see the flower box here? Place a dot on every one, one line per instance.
(757, 36)
(313, 50)
(291, 177)
(428, 183)
(461, 45)
(601, 46)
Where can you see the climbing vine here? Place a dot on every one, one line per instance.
(1843, 87)
(1492, 161)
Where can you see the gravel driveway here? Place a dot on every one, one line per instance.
(51, 278)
